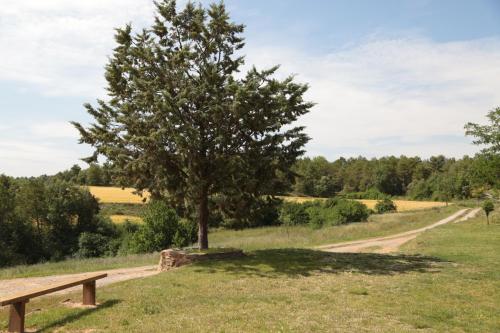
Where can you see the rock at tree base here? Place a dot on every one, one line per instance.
(172, 258)
(175, 258)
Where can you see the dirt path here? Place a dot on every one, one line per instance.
(472, 213)
(14, 286)
(393, 242)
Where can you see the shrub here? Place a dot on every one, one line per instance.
(385, 206)
(346, 211)
(294, 214)
(316, 217)
(92, 245)
(242, 213)
(186, 234)
(488, 207)
(157, 233)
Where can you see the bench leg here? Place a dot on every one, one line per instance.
(16, 319)
(89, 293)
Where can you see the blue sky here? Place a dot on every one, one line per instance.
(388, 77)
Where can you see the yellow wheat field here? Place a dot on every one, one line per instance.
(406, 205)
(401, 205)
(108, 194)
(126, 195)
(122, 218)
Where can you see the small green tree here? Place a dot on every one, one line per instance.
(488, 207)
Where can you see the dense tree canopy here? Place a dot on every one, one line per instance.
(181, 121)
(42, 219)
(437, 178)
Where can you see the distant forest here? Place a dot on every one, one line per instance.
(436, 178)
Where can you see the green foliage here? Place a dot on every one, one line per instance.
(293, 213)
(248, 212)
(485, 170)
(318, 214)
(95, 174)
(317, 178)
(92, 245)
(488, 135)
(42, 219)
(161, 224)
(488, 207)
(346, 211)
(438, 178)
(186, 234)
(385, 206)
(317, 217)
(386, 179)
(182, 119)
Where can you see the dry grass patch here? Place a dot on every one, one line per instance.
(123, 218)
(407, 205)
(108, 194)
(402, 205)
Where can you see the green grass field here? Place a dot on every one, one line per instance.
(304, 236)
(446, 280)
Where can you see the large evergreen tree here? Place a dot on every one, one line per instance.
(182, 122)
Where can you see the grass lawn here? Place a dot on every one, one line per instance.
(446, 280)
(304, 236)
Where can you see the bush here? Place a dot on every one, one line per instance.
(316, 217)
(346, 211)
(186, 234)
(161, 223)
(92, 245)
(488, 207)
(242, 213)
(385, 206)
(293, 213)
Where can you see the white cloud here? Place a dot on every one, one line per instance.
(32, 158)
(62, 46)
(55, 129)
(410, 89)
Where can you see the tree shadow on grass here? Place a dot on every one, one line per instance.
(78, 314)
(304, 262)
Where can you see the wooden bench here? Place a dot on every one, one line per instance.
(18, 301)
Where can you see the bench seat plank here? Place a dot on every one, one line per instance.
(24, 296)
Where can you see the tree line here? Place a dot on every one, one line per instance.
(436, 178)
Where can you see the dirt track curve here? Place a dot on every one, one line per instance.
(391, 243)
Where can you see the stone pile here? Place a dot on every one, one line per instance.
(175, 258)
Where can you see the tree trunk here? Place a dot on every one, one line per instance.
(203, 221)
